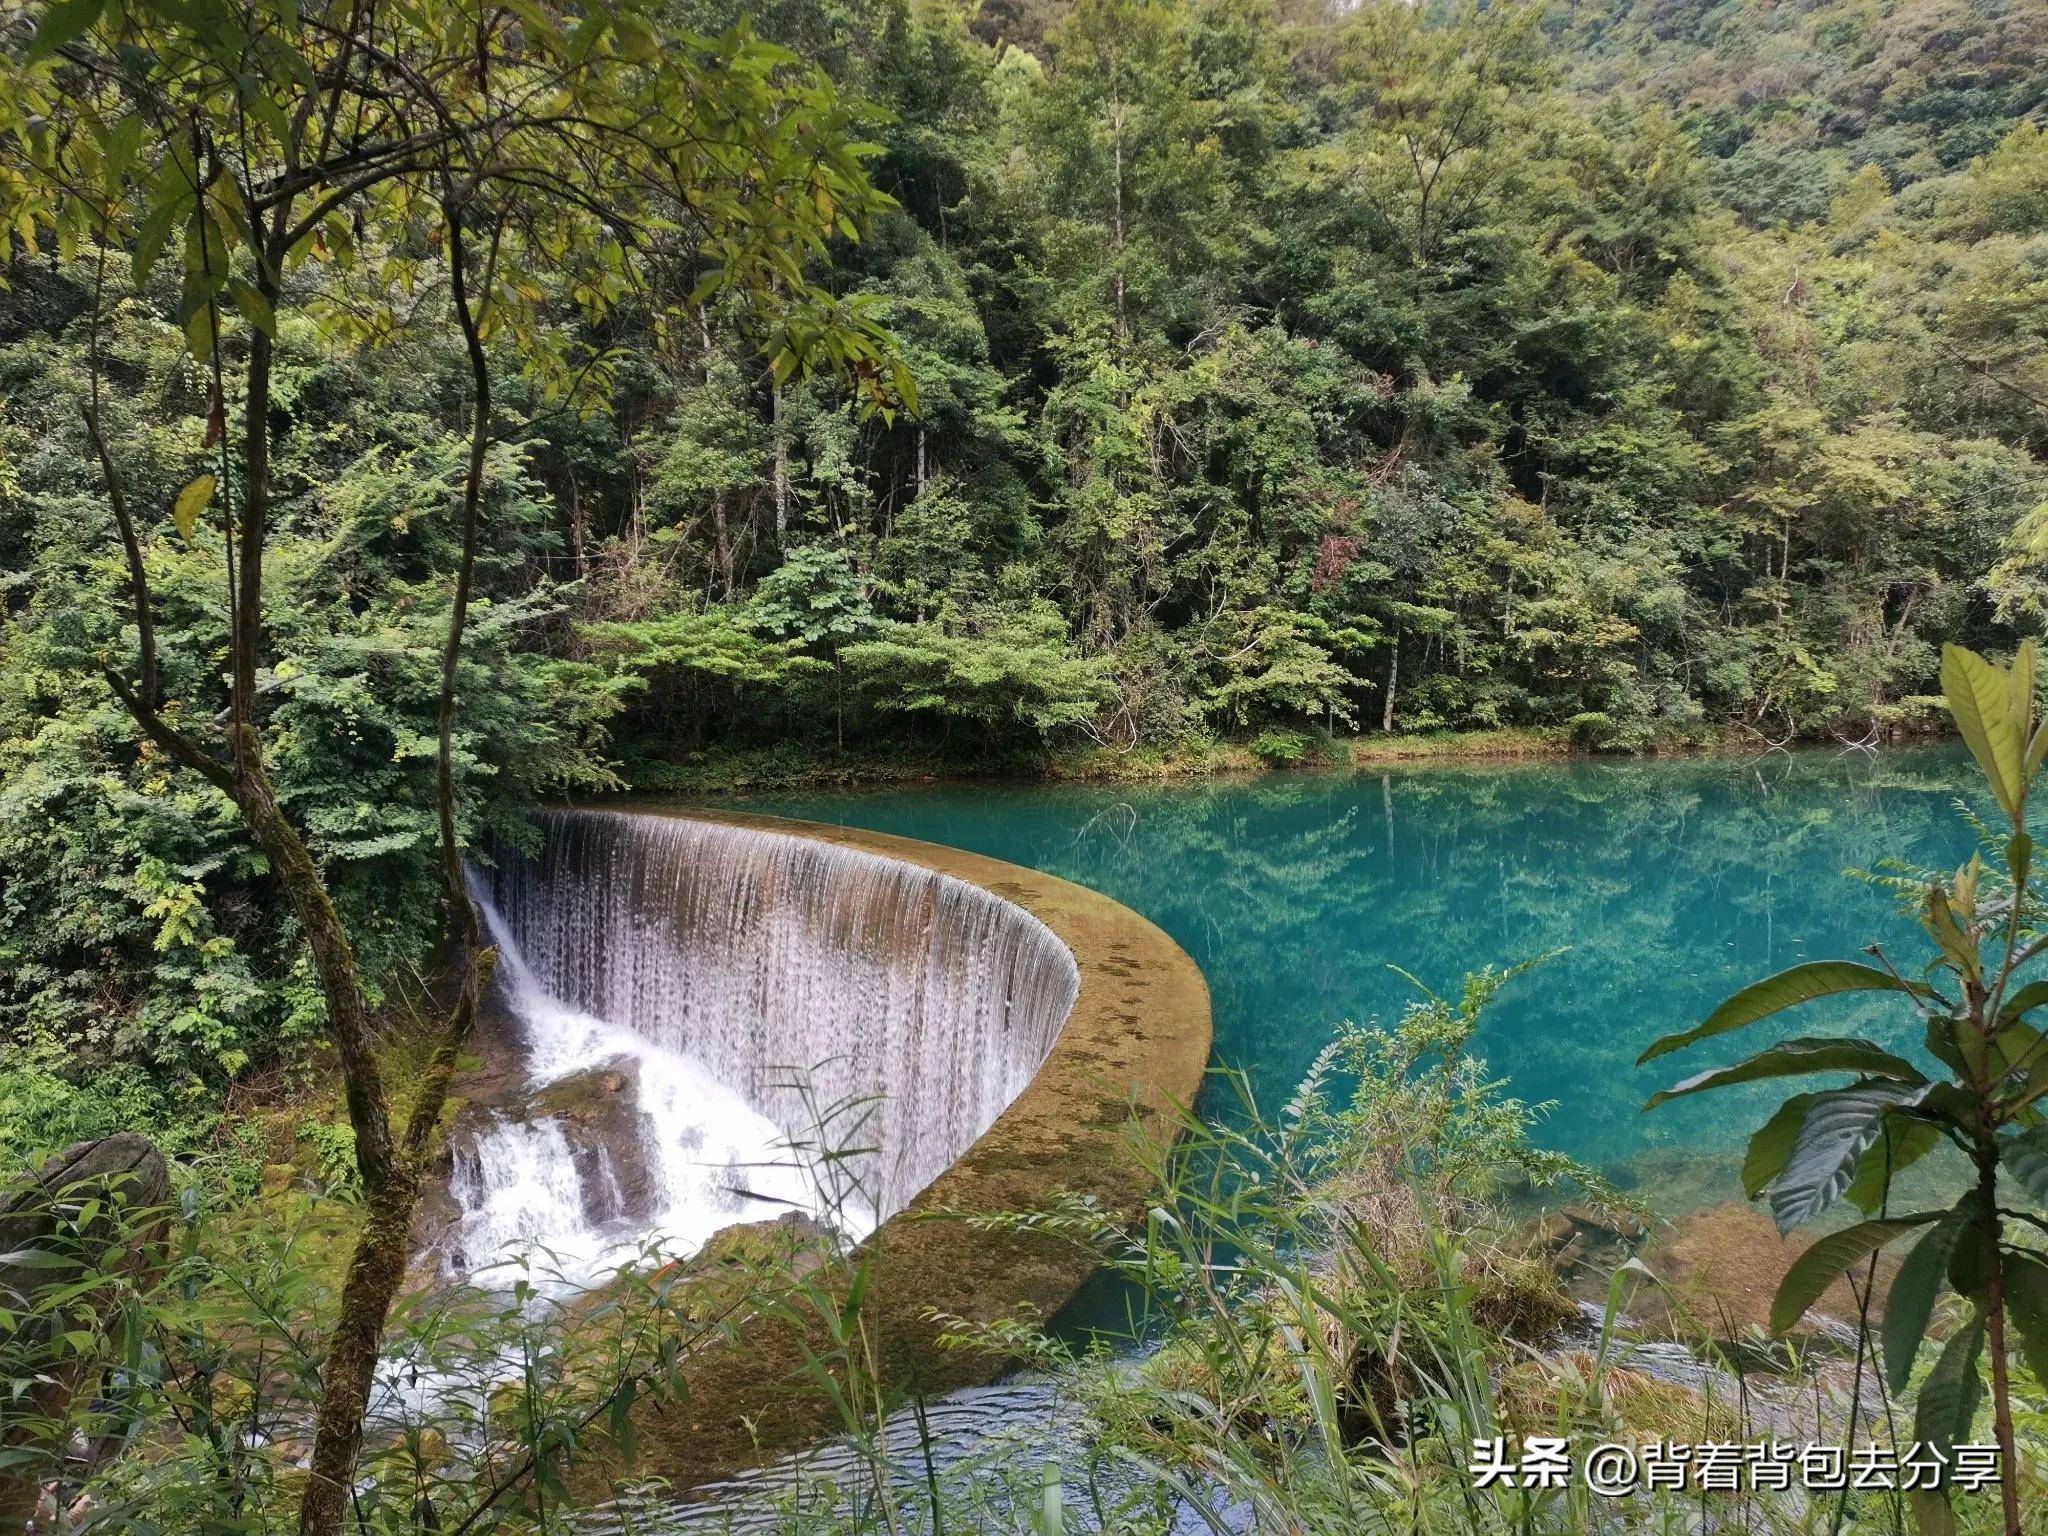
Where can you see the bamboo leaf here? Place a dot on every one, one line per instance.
(1787, 989)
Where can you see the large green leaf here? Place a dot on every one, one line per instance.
(2026, 1308)
(1948, 1402)
(1840, 1126)
(1787, 989)
(1827, 1261)
(2033, 995)
(1948, 1397)
(2025, 1156)
(63, 23)
(1792, 1058)
(1910, 1301)
(1771, 1147)
(1979, 695)
(1904, 1140)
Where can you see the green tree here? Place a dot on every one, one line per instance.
(1852, 1142)
(279, 140)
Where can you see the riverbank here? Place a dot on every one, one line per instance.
(755, 770)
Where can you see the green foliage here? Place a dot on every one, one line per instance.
(1410, 367)
(1852, 1142)
(191, 1321)
(137, 930)
(1425, 1112)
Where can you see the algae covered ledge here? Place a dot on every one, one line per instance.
(1133, 1048)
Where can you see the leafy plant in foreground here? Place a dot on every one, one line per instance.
(1852, 1142)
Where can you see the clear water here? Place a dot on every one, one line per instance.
(1668, 884)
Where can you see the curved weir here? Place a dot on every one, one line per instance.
(1003, 1029)
(900, 1007)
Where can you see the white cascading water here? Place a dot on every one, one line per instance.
(701, 1158)
(747, 982)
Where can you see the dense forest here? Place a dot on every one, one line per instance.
(415, 411)
(1257, 371)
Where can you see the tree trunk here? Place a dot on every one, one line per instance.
(1393, 676)
(1994, 1336)
(579, 526)
(377, 1267)
(781, 467)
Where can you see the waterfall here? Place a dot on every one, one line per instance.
(748, 986)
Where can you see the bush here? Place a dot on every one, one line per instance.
(1282, 749)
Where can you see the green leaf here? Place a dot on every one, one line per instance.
(1791, 1058)
(191, 502)
(1948, 1397)
(1839, 1127)
(1771, 1147)
(2026, 1308)
(1941, 1044)
(1980, 698)
(154, 234)
(1826, 1261)
(36, 1258)
(2033, 995)
(1787, 989)
(199, 332)
(1904, 1141)
(1969, 1266)
(2025, 1156)
(253, 306)
(1910, 1302)
(63, 23)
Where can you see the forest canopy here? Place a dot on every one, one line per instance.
(1630, 371)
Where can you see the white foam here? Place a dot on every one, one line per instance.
(712, 1159)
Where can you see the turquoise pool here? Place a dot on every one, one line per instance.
(1666, 883)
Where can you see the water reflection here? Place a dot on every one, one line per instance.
(1667, 884)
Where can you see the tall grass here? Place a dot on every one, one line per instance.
(1328, 1305)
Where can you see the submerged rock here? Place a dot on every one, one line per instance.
(1724, 1264)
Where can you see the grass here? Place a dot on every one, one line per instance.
(1335, 1307)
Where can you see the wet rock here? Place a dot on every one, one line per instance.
(585, 1098)
(609, 1139)
(1554, 1238)
(795, 1241)
(1599, 1227)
